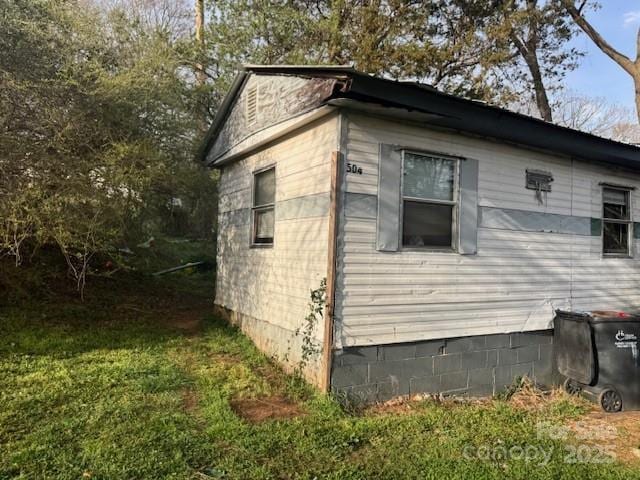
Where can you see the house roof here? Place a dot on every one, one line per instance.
(442, 110)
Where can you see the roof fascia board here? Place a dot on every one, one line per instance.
(346, 70)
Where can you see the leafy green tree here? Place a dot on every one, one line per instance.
(537, 34)
(433, 41)
(97, 130)
(498, 50)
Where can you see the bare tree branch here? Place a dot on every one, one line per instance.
(621, 59)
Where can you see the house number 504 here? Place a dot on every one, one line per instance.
(354, 168)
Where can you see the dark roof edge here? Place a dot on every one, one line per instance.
(492, 121)
(301, 69)
(458, 113)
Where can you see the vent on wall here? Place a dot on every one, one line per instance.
(539, 180)
(251, 105)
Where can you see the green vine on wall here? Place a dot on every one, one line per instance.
(311, 347)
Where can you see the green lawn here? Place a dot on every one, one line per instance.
(139, 382)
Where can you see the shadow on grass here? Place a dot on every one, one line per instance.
(132, 311)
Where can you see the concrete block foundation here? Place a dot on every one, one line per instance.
(474, 366)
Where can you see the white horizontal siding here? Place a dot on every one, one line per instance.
(517, 278)
(273, 285)
(302, 167)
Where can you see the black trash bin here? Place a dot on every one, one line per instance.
(598, 353)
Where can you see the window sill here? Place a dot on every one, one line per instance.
(261, 245)
(617, 255)
(429, 250)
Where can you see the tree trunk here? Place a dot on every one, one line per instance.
(527, 48)
(542, 100)
(636, 83)
(335, 35)
(200, 73)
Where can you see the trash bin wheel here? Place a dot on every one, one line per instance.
(572, 387)
(610, 400)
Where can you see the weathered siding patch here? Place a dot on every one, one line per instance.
(528, 221)
(276, 98)
(303, 207)
(300, 207)
(234, 218)
(476, 366)
(361, 205)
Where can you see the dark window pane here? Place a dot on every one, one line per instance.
(426, 225)
(615, 238)
(427, 177)
(616, 212)
(265, 188)
(263, 226)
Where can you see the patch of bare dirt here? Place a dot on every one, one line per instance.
(189, 321)
(617, 432)
(184, 313)
(189, 400)
(186, 359)
(256, 410)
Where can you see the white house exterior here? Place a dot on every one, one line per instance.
(448, 231)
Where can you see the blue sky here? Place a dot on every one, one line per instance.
(599, 76)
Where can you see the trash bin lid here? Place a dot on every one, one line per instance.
(602, 316)
(597, 316)
(617, 314)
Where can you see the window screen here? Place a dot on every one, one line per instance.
(264, 194)
(429, 201)
(616, 222)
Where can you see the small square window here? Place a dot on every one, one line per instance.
(616, 222)
(264, 194)
(429, 201)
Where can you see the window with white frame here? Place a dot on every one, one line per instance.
(616, 221)
(263, 208)
(429, 200)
